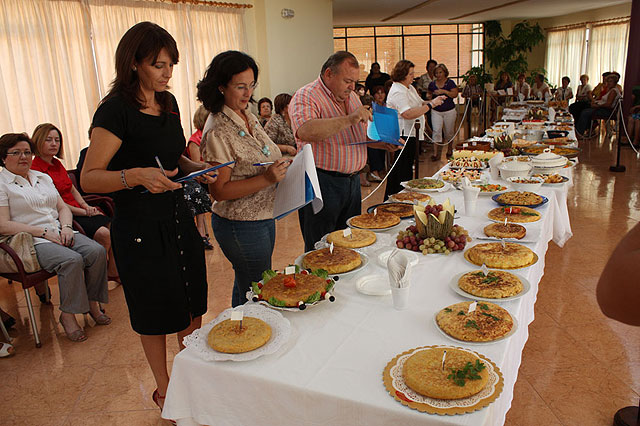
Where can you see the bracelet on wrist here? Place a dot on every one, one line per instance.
(68, 226)
(124, 179)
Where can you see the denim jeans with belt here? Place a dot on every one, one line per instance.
(248, 245)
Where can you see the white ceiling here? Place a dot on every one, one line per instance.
(372, 12)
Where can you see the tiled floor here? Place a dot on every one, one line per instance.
(578, 367)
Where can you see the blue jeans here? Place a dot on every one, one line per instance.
(248, 245)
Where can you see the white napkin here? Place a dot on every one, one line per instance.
(552, 114)
(520, 97)
(547, 97)
(470, 192)
(493, 165)
(399, 268)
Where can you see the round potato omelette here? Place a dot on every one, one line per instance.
(520, 198)
(410, 196)
(375, 221)
(511, 256)
(495, 285)
(508, 230)
(514, 214)
(487, 323)
(358, 238)
(227, 337)
(423, 373)
(306, 285)
(399, 209)
(341, 260)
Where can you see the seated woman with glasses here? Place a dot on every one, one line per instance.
(48, 144)
(29, 202)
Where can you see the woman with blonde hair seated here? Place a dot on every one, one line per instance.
(29, 202)
(49, 144)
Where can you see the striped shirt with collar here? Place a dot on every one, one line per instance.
(315, 101)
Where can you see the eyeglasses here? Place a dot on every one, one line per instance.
(20, 153)
(245, 87)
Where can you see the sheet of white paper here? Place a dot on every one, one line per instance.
(510, 91)
(290, 193)
(237, 315)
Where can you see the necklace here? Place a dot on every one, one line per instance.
(264, 149)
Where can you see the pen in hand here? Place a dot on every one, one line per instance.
(161, 168)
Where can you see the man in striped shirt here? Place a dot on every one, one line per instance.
(327, 114)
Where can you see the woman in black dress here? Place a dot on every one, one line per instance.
(157, 248)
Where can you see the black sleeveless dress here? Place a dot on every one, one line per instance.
(158, 250)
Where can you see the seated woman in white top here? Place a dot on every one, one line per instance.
(540, 89)
(583, 98)
(600, 108)
(404, 98)
(29, 202)
(564, 92)
(522, 88)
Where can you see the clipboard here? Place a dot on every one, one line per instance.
(202, 172)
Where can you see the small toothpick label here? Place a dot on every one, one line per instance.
(375, 211)
(504, 245)
(473, 306)
(505, 221)
(290, 270)
(484, 269)
(346, 233)
(237, 316)
(331, 248)
(444, 357)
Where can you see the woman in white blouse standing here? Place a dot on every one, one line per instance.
(29, 202)
(404, 98)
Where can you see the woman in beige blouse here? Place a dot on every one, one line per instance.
(242, 218)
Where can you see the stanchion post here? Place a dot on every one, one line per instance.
(618, 168)
(416, 160)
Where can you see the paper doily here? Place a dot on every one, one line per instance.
(280, 332)
(396, 386)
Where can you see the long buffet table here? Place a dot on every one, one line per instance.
(330, 371)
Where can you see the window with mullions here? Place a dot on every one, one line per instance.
(458, 46)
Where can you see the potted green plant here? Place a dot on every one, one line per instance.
(481, 74)
(509, 53)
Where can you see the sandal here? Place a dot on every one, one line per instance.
(6, 350)
(102, 319)
(155, 396)
(74, 336)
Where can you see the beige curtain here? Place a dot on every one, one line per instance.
(607, 50)
(565, 51)
(200, 32)
(58, 58)
(46, 71)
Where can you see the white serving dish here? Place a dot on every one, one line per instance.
(525, 186)
(548, 159)
(514, 169)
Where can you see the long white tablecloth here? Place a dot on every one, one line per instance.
(330, 372)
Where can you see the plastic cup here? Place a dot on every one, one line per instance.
(470, 207)
(494, 172)
(400, 296)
